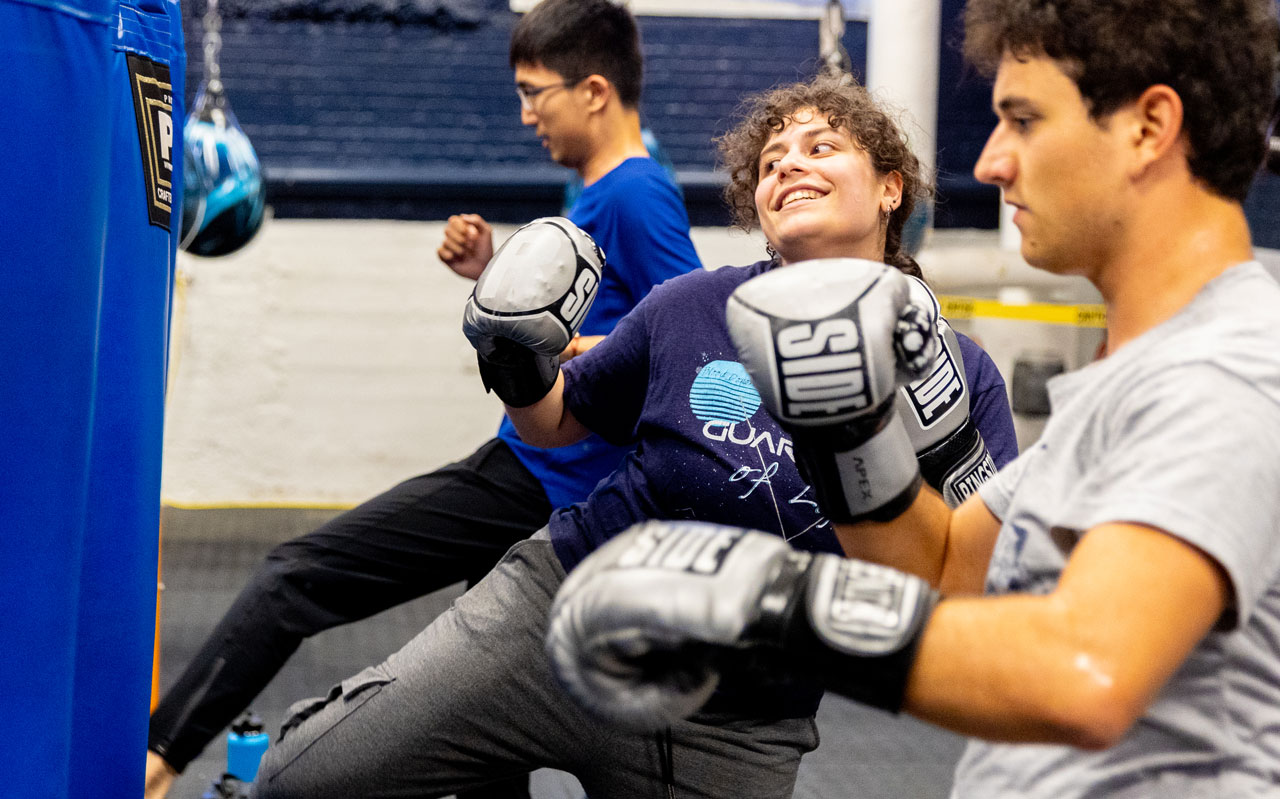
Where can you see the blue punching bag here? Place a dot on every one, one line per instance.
(55, 92)
(116, 614)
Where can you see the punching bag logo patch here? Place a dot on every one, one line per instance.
(153, 110)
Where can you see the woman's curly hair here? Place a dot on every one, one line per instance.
(848, 107)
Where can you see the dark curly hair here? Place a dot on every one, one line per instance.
(1218, 55)
(848, 107)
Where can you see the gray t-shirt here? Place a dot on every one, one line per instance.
(1180, 430)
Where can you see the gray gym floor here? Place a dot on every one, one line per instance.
(208, 554)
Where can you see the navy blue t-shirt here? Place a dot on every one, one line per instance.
(668, 377)
(636, 216)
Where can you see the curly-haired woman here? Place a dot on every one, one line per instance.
(825, 173)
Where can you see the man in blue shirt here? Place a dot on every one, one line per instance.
(578, 72)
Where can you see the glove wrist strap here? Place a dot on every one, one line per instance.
(780, 601)
(520, 381)
(876, 480)
(958, 464)
(863, 627)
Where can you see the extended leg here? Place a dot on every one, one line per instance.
(426, 533)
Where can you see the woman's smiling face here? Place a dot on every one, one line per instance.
(819, 196)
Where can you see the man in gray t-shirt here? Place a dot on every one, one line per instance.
(1177, 432)
(1105, 614)
(1128, 643)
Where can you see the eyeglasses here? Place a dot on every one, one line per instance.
(528, 93)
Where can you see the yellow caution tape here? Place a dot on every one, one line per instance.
(1046, 313)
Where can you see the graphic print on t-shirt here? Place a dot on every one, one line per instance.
(724, 398)
(723, 392)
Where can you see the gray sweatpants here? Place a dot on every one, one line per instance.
(471, 699)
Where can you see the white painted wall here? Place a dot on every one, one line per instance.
(325, 361)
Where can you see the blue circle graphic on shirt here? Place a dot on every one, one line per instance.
(723, 392)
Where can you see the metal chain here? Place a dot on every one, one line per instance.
(212, 45)
(831, 51)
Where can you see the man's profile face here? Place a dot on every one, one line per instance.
(1061, 170)
(556, 111)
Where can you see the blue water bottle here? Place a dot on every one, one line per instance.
(245, 745)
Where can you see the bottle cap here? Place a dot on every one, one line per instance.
(248, 724)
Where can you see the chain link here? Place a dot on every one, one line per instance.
(212, 45)
(831, 51)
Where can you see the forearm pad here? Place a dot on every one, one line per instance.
(518, 375)
(958, 464)
(858, 628)
(862, 473)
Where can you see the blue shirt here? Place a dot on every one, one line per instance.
(636, 216)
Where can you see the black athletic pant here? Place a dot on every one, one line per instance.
(427, 533)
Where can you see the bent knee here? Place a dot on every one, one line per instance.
(313, 756)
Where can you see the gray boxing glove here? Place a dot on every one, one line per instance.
(641, 630)
(527, 305)
(953, 457)
(827, 344)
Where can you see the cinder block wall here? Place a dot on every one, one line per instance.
(377, 94)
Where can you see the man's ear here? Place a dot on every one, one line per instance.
(599, 90)
(1156, 125)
